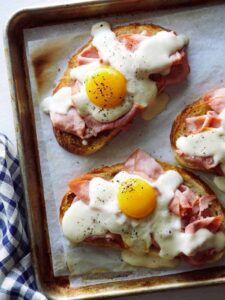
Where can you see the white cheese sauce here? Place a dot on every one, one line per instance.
(60, 102)
(150, 260)
(207, 143)
(152, 56)
(103, 215)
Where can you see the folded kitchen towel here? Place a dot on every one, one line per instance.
(16, 273)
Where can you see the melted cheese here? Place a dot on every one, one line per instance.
(155, 107)
(60, 102)
(150, 260)
(103, 215)
(81, 72)
(206, 143)
(152, 56)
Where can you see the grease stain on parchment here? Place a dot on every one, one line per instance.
(49, 59)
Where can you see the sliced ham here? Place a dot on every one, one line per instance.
(181, 205)
(218, 104)
(201, 162)
(141, 161)
(174, 205)
(179, 69)
(211, 223)
(216, 100)
(96, 127)
(80, 186)
(200, 207)
(72, 122)
(88, 55)
(192, 209)
(131, 41)
(200, 123)
(179, 64)
(205, 162)
(204, 203)
(109, 239)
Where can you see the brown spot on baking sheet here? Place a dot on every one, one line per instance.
(47, 58)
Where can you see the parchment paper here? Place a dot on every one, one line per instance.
(48, 50)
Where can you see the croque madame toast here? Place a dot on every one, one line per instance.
(76, 144)
(190, 180)
(205, 110)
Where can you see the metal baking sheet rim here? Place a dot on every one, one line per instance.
(58, 287)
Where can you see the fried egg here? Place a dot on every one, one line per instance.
(137, 198)
(102, 92)
(108, 88)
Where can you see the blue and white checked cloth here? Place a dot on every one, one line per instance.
(16, 273)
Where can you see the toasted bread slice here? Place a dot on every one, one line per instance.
(197, 108)
(191, 180)
(72, 142)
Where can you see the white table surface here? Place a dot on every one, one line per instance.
(7, 127)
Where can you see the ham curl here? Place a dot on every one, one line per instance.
(88, 55)
(181, 205)
(194, 210)
(132, 41)
(109, 239)
(188, 205)
(86, 127)
(142, 162)
(96, 127)
(80, 186)
(72, 122)
(178, 72)
(211, 223)
(201, 162)
(200, 123)
(216, 100)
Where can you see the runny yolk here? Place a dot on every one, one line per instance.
(106, 87)
(137, 198)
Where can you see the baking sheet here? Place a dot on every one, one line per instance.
(48, 50)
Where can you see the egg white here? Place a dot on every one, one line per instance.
(86, 107)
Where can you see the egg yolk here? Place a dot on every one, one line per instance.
(137, 198)
(106, 87)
